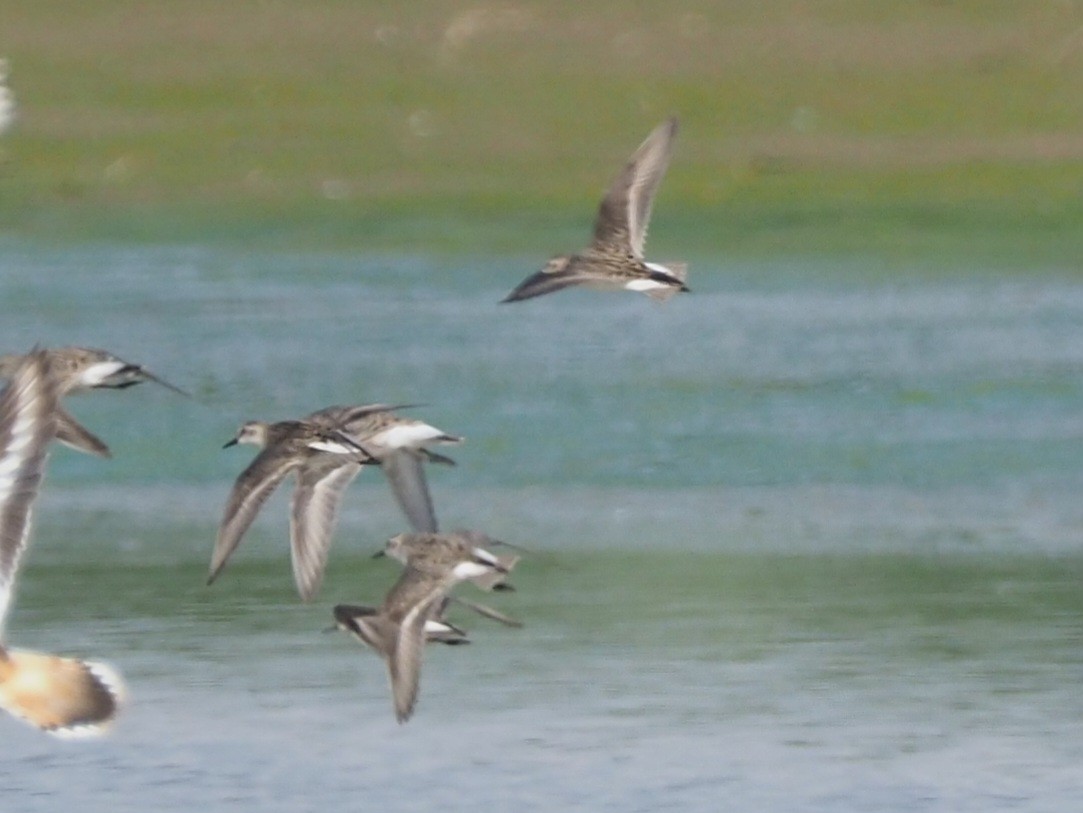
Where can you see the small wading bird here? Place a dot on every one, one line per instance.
(437, 628)
(462, 543)
(79, 369)
(67, 697)
(325, 460)
(327, 449)
(7, 100)
(466, 544)
(399, 629)
(614, 259)
(400, 446)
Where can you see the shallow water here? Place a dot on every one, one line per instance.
(801, 541)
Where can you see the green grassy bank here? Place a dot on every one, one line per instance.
(899, 128)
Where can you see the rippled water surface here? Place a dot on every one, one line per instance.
(801, 541)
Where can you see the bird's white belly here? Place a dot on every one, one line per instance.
(405, 436)
(95, 374)
(644, 285)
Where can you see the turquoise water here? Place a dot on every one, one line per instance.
(807, 539)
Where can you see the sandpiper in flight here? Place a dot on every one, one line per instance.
(398, 630)
(614, 259)
(437, 628)
(465, 544)
(400, 445)
(459, 543)
(326, 461)
(67, 697)
(79, 369)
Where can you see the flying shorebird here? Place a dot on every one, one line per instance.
(614, 259)
(459, 543)
(79, 369)
(397, 631)
(464, 544)
(437, 628)
(400, 446)
(67, 697)
(7, 101)
(326, 461)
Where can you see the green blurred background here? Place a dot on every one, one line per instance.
(929, 130)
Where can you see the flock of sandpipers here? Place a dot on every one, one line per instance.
(325, 451)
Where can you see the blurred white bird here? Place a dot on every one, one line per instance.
(7, 100)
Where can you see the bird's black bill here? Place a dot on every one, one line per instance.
(163, 383)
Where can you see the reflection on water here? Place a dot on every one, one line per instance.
(798, 543)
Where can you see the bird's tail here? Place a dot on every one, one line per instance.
(66, 697)
(679, 271)
(674, 272)
(495, 579)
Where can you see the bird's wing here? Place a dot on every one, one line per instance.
(27, 423)
(72, 433)
(625, 211)
(313, 517)
(251, 489)
(488, 612)
(404, 660)
(405, 472)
